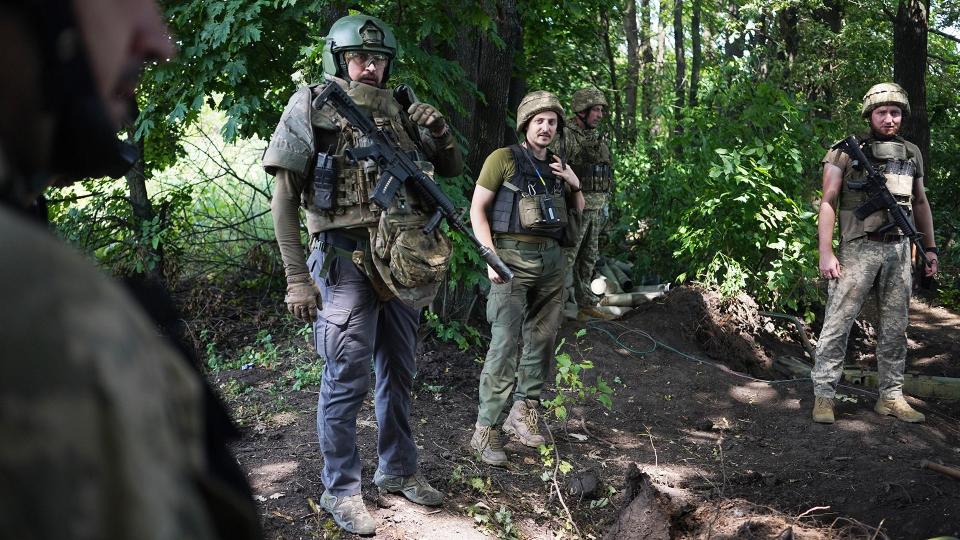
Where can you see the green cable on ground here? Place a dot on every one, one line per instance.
(597, 325)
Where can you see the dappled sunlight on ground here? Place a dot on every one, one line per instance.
(268, 479)
(753, 393)
(400, 518)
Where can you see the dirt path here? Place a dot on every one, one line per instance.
(728, 456)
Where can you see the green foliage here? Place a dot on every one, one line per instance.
(570, 386)
(500, 523)
(263, 352)
(97, 217)
(738, 212)
(306, 374)
(463, 334)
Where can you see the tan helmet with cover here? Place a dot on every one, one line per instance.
(887, 93)
(535, 103)
(587, 97)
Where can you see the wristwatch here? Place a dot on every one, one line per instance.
(933, 250)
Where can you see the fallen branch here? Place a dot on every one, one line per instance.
(556, 485)
(945, 470)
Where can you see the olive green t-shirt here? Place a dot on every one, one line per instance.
(499, 167)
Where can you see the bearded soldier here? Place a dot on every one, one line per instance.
(106, 431)
(519, 209)
(872, 258)
(362, 286)
(589, 155)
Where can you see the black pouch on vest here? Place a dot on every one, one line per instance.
(324, 182)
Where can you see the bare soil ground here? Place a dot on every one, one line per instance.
(693, 447)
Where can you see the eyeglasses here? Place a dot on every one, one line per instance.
(364, 59)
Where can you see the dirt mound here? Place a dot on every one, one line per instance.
(725, 328)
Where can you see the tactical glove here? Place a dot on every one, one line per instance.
(429, 117)
(303, 297)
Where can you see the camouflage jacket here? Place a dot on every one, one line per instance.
(101, 422)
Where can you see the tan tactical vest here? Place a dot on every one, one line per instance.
(407, 262)
(899, 161)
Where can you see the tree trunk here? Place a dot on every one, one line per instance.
(491, 67)
(612, 67)
(659, 125)
(789, 19)
(831, 14)
(697, 59)
(679, 84)
(633, 70)
(646, 53)
(910, 70)
(733, 48)
(143, 212)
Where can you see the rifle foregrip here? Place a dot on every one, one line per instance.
(498, 265)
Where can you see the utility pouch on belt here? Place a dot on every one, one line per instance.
(324, 182)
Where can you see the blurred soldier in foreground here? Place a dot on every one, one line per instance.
(519, 209)
(589, 155)
(106, 432)
(872, 258)
(369, 271)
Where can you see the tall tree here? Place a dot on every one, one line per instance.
(488, 58)
(679, 84)
(633, 69)
(788, 20)
(696, 59)
(612, 67)
(910, 69)
(646, 54)
(733, 47)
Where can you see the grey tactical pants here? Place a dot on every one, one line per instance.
(528, 306)
(353, 328)
(867, 266)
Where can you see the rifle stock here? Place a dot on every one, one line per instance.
(397, 168)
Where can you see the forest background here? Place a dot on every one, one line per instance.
(721, 112)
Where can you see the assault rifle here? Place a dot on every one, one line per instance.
(397, 168)
(879, 197)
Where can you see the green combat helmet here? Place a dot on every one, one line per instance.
(587, 97)
(357, 33)
(535, 103)
(885, 94)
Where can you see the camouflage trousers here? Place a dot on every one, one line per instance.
(582, 258)
(883, 269)
(528, 306)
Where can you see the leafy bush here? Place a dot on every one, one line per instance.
(729, 202)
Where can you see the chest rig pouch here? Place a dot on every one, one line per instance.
(402, 261)
(531, 202)
(593, 168)
(546, 210)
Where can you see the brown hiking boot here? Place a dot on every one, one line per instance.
(899, 407)
(486, 441)
(823, 410)
(523, 422)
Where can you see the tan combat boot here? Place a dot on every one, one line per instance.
(523, 422)
(486, 441)
(823, 410)
(900, 408)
